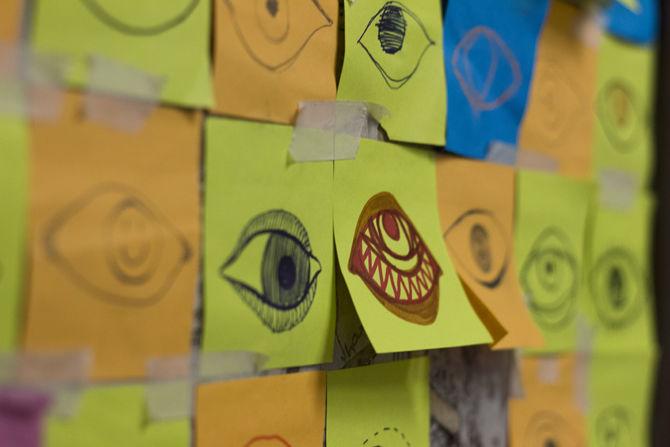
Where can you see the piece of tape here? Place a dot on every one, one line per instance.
(585, 334)
(501, 153)
(169, 400)
(47, 370)
(589, 27)
(617, 189)
(66, 402)
(230, 365)
(536, 161)
(548, 370)
(331, 130)
(444, 413)
(515, 387)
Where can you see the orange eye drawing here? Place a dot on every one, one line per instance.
(393, 261)
(550, 429)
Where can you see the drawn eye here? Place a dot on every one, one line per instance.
(117, 246)
(550, 429)
(387, 437)
(396, 41)
(486, 69)
(391, 258)
(613, 428)
(267, 441)
(142, 17)
(470, 240)
(617, 288)
(288, 269)
(274, 32)
(618, 114)
(549, 279)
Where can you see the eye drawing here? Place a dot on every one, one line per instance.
(618, 114)
(114, 244)
(396, 41)
(617, 288)
(288, 270)
(267, 441)
(393, 261)
(613, 427)
(471, 239)
(275, 32)
(550, 429)
(549, 278)
(486, 69)
(112, 14)
(387, 437)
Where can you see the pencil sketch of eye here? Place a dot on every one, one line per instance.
(142, 17)
(275, 247)
(113, 243)
(275, 32)
(618, 114)
(613, 427)
(396, 41)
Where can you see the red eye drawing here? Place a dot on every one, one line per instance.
(392, 259)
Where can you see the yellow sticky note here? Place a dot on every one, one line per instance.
(385, 404)
(269, 257)
(393, 57)
(113, 416)
(391, 252)
(476, 206)
(169, 40)
(11, 20)
(559, 120)
(549, 242)
(115, 237)
(277, 411)
(271, 55)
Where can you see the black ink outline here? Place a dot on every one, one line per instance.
(277, 222)
(403, 438)
(495, 282)
(556, 424)
(623, 145)
(139, 31)
(392, 82)
(291, 59)
(622, 422)
(133, 197)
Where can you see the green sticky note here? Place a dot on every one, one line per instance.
(618, 276)
(391, 252)
(550, 224)
(624, 108)
(169, 40)
(269, 255)
(393, 57)
(114, 416)
(13, 200)
(379, 405)
(620, 399)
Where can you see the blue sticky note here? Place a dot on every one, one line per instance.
(634, 20)
(489, 48)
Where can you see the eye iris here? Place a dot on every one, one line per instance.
(273, 7)
(392, 27)
(479, 244)
(391, 226)
(286, 272)
(616, 287)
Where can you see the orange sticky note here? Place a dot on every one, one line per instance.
(114, 228)
(559, 118)
(271, 55)
(476, 206)
(11, 15)
(276, 411)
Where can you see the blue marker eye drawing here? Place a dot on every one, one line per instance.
(288, 270)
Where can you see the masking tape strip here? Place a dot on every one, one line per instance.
(548, 370)
(501, 153)
(169, 400)
(617, 189)
(589, 27)
(51, 370)
(444, 413)
(527, 159)
(516, 390)
(331, 130)
(229, 365)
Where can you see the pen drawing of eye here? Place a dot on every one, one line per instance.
(618, 114)
(275, 247)
(275, 32)
(115, 244)
(471, 240)
(396, 40)
(613, 427)
(550, 429)
(393, 261)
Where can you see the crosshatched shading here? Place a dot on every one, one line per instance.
(619, 114)
(115, 244)
(613, 427)
(550, 429)
(288, 270)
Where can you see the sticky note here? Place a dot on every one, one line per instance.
(632, 20)
(21, 414)
(115, 237)
(13, 200)
(393, 58)
(168, 40)
(384, 404)
(476, 206)
(269, 56)
(112, 416)
(489, 53)
(391, 252)
(618, 276)
(269, 266)
(559, 117)
(549, 242)
(11, 20)
(624, 109)
(274, 411)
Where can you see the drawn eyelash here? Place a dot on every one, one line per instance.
(288, 271)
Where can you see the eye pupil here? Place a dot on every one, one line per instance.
(549, 268)
(286, 273)
(392, 27)
(273, 7)
(479, 244)
(550, 443)
(391, 226)
(616, 288)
